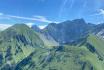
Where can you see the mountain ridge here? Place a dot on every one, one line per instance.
(63, 32)
(24, 48)
(69, 31)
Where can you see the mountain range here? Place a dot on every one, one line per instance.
(69, 45)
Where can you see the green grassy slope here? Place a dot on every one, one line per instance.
(66, 57)
(22, 49)
(70, 58)
(97, 43)
(16, 43)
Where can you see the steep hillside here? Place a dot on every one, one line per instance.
(45, 37)
(48, 40)
(83, 56)
(98, 45)
(16, 43)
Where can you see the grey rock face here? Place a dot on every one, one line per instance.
(68, 31)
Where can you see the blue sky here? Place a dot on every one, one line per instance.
(42, 12)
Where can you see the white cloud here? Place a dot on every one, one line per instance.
(42, 26)
(35, 18)
(1, 14)
(29, 24)
(101, 11)
(42, 19)
(4, 26)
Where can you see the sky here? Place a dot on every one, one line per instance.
(43, 12)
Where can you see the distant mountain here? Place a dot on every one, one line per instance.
(36, 28)
(99, 30)
(68, 31)
(45, 37)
